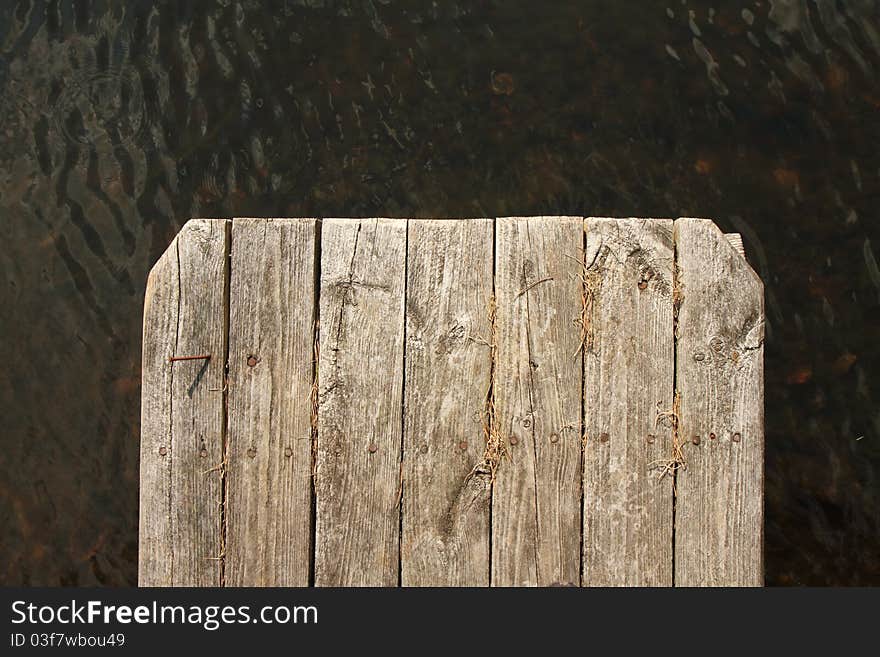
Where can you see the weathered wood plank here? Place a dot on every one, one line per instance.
(628, 372)
(155, 546)
(271, 371)
(182, 414)
(536, 503)
(360, 389)
(445, 538)
(719, 375)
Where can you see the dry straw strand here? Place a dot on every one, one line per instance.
(676, 460)
(590, 276)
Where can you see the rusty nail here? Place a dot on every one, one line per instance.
(695, 440)
(373, 448)
(603, 438)
(252, 452)
(514, 440)
(554, 438)
(462, 445)
(736, 437)
(712, 436)
(252, 361)
(651, 438)
(288, 452)
(643, 284)
(203, 453)
(162, 451)
(172, 359)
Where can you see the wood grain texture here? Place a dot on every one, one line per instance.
(719, 374)
(628, 372)
(404, 367)
(182, 425)
(155, 547)
(271, 371)
(445, 539)
(360, 390)
(536, 504)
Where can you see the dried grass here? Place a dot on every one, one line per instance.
(676, 460)
(221, 509)
(590, 276)
(531, 285)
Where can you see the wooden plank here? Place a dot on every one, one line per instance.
(445, 539)
(536, 503)
(182, 410)
(155, 547)
(719, 375)
(628, 373)
(360, 390)
(271, 372)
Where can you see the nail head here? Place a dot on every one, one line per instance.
(736, 437)
(373, 448)
(695, 440)
(252, 361)
(554, 437)
(252, 452)
(288, 452)
(603, 438)
(514, 440)
(162, 451)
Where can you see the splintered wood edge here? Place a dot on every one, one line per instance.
(736, 241)
(733, 240)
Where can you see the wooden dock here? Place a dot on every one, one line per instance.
(525, 401)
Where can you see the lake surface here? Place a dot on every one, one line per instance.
(119, 121)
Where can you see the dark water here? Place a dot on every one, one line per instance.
(118, 121)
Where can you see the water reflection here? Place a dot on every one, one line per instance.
(118, 121)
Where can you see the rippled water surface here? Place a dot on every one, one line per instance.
(118, 121)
